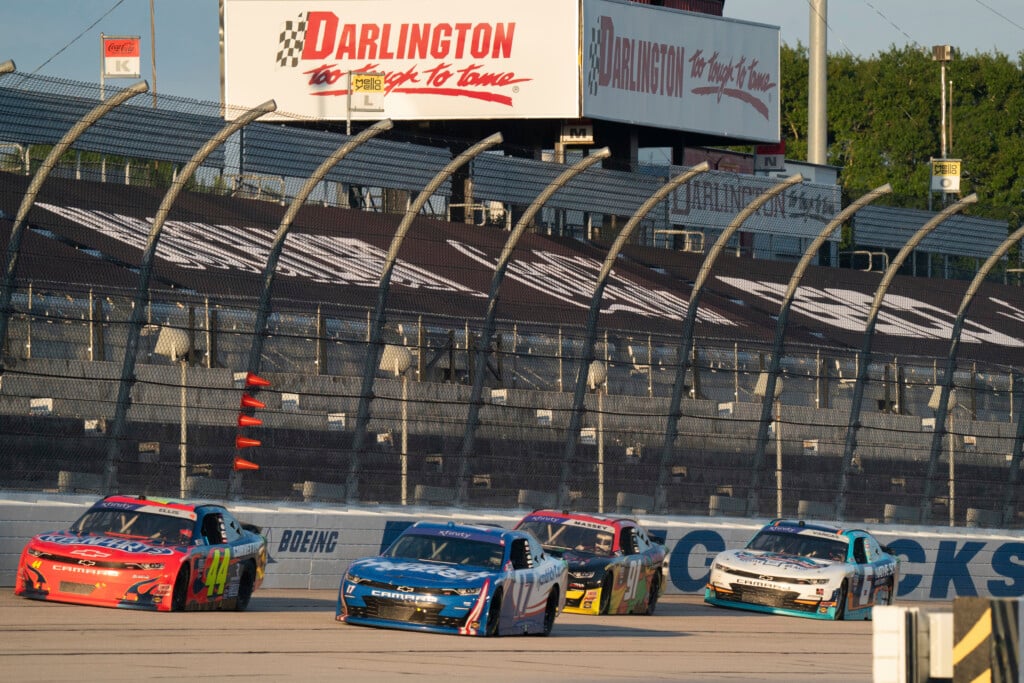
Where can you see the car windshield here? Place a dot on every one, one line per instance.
(151, 527)
(557, 537)
(445, 550)
(801, 545)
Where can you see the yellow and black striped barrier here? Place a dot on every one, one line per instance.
(986, 643)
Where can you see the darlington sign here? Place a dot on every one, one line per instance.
(458, 59)
(462, 59)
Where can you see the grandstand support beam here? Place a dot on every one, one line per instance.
(864, 357)
(138, 312)
(686, 338)
(587, 352)
(480, 359)
(373, 347)
(946, 382)
(778, 345)
(269, 270)
(7, 67)
(18, 229)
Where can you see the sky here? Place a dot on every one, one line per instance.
(61, 38)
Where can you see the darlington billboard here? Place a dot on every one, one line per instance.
(461, 59)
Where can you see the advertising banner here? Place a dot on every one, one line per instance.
(121, 56)
(679, 70)
(453, 60)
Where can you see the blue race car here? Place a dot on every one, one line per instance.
(458, 579)
(805, 569)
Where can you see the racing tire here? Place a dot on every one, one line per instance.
(179, 596)
(493, 616)
(653, 593)
(841, 602)
(606, 596)
(891, 592)
(245, 587)
(550, 612)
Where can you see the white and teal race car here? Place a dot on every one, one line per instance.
(805, 569)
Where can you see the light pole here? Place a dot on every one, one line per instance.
(943, 54)
(597, 378)
(397, 359)
(760, 390)
(934, 402)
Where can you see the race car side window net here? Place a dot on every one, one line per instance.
(520, 556)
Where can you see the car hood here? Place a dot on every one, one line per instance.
(100, 548)
(582, 562)
(761, 561)
(420, 574)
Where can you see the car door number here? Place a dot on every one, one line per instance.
(867, 583)
(632, 579)
(217, 571)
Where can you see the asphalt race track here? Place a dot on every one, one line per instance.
(291, 635)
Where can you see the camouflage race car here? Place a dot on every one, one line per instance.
(615, 566)
(146, 553)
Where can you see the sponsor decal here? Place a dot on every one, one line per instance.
(782, 561)
(446, 59)
(254, 547)
(302, 541)
(454, 534)
(441, 571)
(550, 574)
(91, 571)
(106, 542)
(589, 525)
(633, 64)
(403, 597)
(89, 552)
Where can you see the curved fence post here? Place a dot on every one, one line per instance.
(18, 229)
(686, 338)
(947, 383)
(864, 357)
(587, 354)
(377, 322)
(480, 359)
(780, 326)
(142, 289)
(269, 270)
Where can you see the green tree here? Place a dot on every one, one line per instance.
(884, 123)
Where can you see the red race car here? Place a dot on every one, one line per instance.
(615, 566)
(147, 553)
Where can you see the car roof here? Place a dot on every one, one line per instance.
(145, 501)
(480, 532)
(801, 524)
(581, 516)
